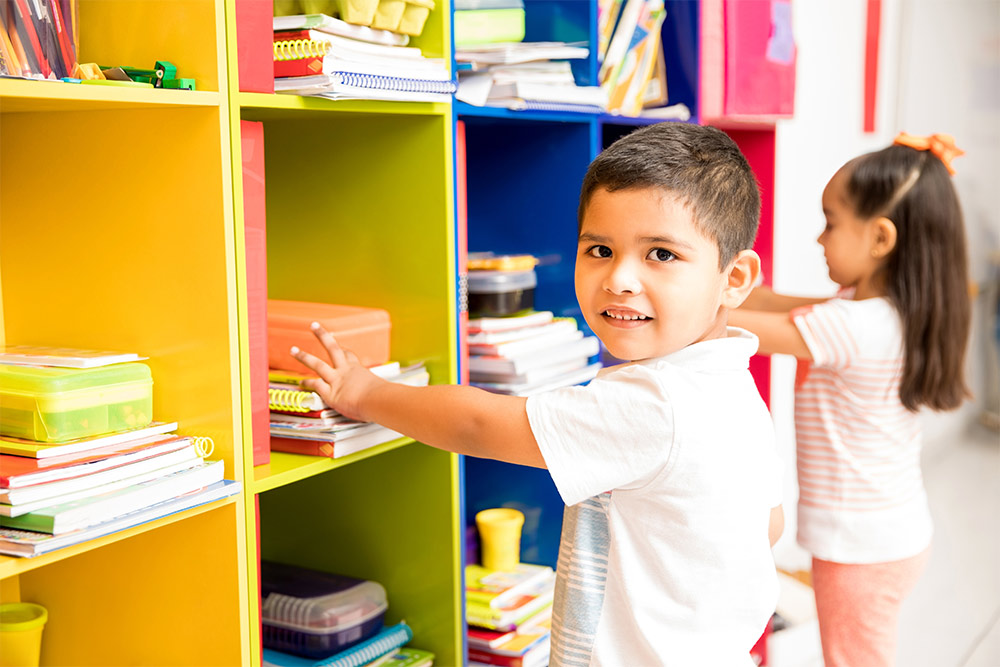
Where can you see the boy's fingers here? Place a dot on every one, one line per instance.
(312, 362)
(351, 357)
(336, 352)
(318, 385)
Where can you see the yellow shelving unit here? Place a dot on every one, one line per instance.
(121, 227)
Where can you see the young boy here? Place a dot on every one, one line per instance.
(667, 463)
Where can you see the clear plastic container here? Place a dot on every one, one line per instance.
(50, 404)
(500, 293)
(317, 614)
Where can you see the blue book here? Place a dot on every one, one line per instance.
(388, 639)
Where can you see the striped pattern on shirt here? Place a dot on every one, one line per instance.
(858, 447)
(583, 575)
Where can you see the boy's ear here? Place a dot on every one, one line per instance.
(883, 237)
(741, 278)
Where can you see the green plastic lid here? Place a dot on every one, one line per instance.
(54, 380)
(21, 616)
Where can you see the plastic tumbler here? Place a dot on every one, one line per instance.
(500, 535)
(21, 626)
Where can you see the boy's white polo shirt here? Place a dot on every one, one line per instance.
(669, 471)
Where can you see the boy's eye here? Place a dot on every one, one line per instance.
(599, 251)
(661, 255)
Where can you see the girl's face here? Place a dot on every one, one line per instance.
(847, 239)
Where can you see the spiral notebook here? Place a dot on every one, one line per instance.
(354, 85)
(307, 57)
(387, 640)
(288, 398)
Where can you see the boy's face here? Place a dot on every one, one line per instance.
(647, 279)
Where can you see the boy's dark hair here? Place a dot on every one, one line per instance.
(701, 165)
(926, 275)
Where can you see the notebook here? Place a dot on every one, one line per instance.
(353, 85)
(387, 640)
(334, 26)
(287, 398)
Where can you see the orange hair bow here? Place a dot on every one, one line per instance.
(942, 145)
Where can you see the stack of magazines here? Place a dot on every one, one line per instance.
(319, 55)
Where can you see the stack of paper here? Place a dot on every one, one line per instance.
(315, 54)
(529, 354)
(525, 75)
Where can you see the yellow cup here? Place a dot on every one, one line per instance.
(500, 538)
(21, 626)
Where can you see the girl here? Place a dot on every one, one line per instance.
(891, 342)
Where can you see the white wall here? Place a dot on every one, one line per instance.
(939, 71)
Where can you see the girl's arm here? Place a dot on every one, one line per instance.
(765, 299)
(458, 419)
(776, 332)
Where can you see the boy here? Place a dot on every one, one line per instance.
(667, 463)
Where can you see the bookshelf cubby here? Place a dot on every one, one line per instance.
(121, 227)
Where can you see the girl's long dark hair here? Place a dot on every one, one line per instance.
(926, 275)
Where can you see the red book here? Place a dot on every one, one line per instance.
(331, 448)
(254, 25)
(462, 225)
(255, 246)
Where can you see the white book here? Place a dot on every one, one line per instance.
(585, 347)
(579, 376)
(65, 357)
(516, 348)
(30, 498)
(533, 376)
(325, 23)
(546, 92)
(496, 337)
(481, 324)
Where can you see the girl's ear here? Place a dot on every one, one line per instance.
(742, 277)
(883, 237)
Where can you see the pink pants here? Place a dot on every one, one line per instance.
(858, 608)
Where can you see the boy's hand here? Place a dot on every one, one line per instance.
(342, 386)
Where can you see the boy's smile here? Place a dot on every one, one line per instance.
(647, 279)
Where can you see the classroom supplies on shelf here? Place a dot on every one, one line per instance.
(92, 510)
(64, 357)
(52, 404)
(354, 85)
(299, 54)
(501, 293)
(498, 588)
(15, 542)
(632, 58)
(363, 330)
(38, 38)
(526, 609)
(404, 656)
(317, 614)
(501, 324)
(289, 398)
(81, 447)
(547, 352)
(333, 446)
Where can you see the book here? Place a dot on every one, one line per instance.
(520, 644)
(386, 370)
(292, 44)
(580, 349)
(404, 656)
(497, 589)
(21, 471)
(318, 62)
(532, 377)
(546, 92)
(506, 53)
(485, 638)
(579, 376)
(334, 449)
(493, 324)
(537, 656)
(515, 613)
(328, 24)
(354, 85)
(66, 357)
(15, 502)
(484, 338)
(540, 341)
(14, 542)
(93, 510)
(388, 639)
(82, 446)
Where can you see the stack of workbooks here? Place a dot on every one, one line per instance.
(56, 492)
(387, 647)
(319, 55)
(525, 75)
(509, 615)
(302, 424)
(522, 355)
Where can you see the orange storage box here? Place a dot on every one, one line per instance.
(364, 331)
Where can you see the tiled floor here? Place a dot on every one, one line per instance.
(952, 618)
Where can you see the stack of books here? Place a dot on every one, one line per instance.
(523, 355)
(526, 75)
(387, 648)
(319, 55)
(302, 424)
(57, 494)
(509, 615)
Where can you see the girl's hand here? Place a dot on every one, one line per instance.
(342, 386)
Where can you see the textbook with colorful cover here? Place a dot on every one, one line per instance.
(335, 448)
(496, 588)
(387, 640)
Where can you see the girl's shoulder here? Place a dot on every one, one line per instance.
(874, 324)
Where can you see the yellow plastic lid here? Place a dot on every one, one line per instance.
(22, 616)
(501, 262)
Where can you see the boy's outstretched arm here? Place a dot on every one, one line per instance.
(777, 333)
(459, 419)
